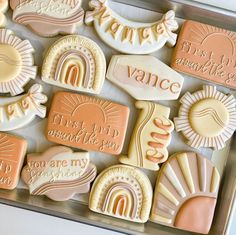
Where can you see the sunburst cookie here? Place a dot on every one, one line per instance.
(207, 118)
(123, 192)
(186, 193)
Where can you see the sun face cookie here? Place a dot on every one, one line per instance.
(198, 53)
(123, 192)
(87, 122)
(207, 118)
(3, 9)
(48, 18)
(58, 173)
(16, 63)
(128, 36)
(12, 153)
(75, 62)
(186, 193)
(19, 111)
(145, 77)
(151, 136)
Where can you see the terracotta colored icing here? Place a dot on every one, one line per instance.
(12, 153)
(151, 136)
(198, 53)
(16, 63)
(123, 192)
(145, 77)
(16, 112)
(48, 18)
(203, 208)
(58, 173)
(127, 36)
(87, 122)
(207, 118)
(3, 9)
(186, 192)
(75, 62)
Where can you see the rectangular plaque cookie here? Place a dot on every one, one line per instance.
(206, 52)
(87, 122)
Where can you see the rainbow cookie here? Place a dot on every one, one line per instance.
(58, 173)
(48, 18)
(207, 118)
(123, 192)
(3, 9)
(186, 193)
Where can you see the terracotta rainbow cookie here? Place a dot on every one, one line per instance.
(151, 136)
(58, 173)
(87, 122)
(128, 36)
(198, 53)
(123, 192)
(16, 63)
(75, 62)
(145, 77)
(12, 153)
(3, 9)
(48, 17)
(186, 193)
(207, 118)
(17, 112)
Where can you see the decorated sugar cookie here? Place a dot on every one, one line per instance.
(75, 62)
(186, 193)
(59, 173)
(3, 9)
(151, 136)
(48, 18)
(17, 112)
(123, 192)
(207, 118)
(16, 63)
(12, 153)
(145, 77)
(128, 36)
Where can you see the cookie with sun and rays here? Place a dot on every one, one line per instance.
(123, 192)
(12, 153)
(87, 122)
(16, 63)
(206, 52)
(186, 193)
(207, 118)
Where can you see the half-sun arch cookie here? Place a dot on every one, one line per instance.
(3, 9)
(48, 18)
(59, 173)
(128, 36)
(75, 62)
(151, 137)
(186, 193)
(207, 118)
(123, 192)
(16, 63)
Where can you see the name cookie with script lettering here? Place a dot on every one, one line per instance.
(12, 153)
(128, 36)
(48, 18)
(151, 136)
(145, 77)
(207, 118)
(3, 9)
(59, 173)
(16, 63)
(75, 62)
(87, 122)
(206, 52)
(19, 111)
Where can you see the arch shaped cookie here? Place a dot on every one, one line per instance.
(186, 193)
(123, 192)
(75, 62)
